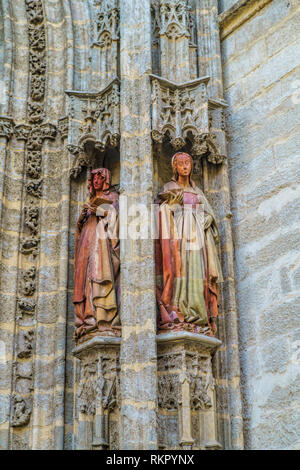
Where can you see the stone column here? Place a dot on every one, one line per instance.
(209, 55)
(138, 306)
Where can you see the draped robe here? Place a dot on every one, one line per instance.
(97, 265)
(188, 270)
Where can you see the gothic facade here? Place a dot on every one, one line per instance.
(124, 84)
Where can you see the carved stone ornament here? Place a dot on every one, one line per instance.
(80, 163)
(34, 164)
(32, 218)
(34, 188)
(21, 411)
(28, 285)
(174, 18)
(33, 134)
(99, 384)
(169, 392)
(35, 11)
(30, 246)
(22, 131)
(97, 120)
(106, 24)
(186, 395)
(6, 127)
(198, 393)
(25, 344)
(26, 307)
(180, 113)
(63, 127)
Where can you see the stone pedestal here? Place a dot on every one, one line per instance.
(186, 392)
(97, 409)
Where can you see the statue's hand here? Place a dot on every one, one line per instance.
(90, 208)
(207, 222)
(175, 197)
(82, 215)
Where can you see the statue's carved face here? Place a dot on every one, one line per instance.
(98, 180)
(183, 165)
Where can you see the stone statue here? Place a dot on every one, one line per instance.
(188, 270)
(97, 260)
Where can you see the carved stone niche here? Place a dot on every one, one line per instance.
(97, 412)
(94, 118)
(186, 393)
(183, 114)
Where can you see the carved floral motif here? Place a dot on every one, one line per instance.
(26, 307)
(6, 127)
(28, 281)
(25, 344)
(32, 218)
(21, 411)
(33, 134)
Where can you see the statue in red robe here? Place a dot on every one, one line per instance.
(97, 260)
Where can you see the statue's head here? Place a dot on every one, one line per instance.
(182, 164)
(99, 180)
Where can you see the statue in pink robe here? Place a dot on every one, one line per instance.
(188, 271)
(97, 260)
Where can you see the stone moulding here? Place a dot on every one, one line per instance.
(182, 113)
(96, 343)
(93, 117)
(210, 343)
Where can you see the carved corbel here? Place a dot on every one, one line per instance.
(183, 114)
(81, 162)
(48, 131)
(22, 131)
(6, 127)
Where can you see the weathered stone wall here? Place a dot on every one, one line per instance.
(261, 77)
(225, 4)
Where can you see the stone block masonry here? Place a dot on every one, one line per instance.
(261, 78)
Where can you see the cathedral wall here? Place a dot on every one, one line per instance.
(261, 80)
(225, 4)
